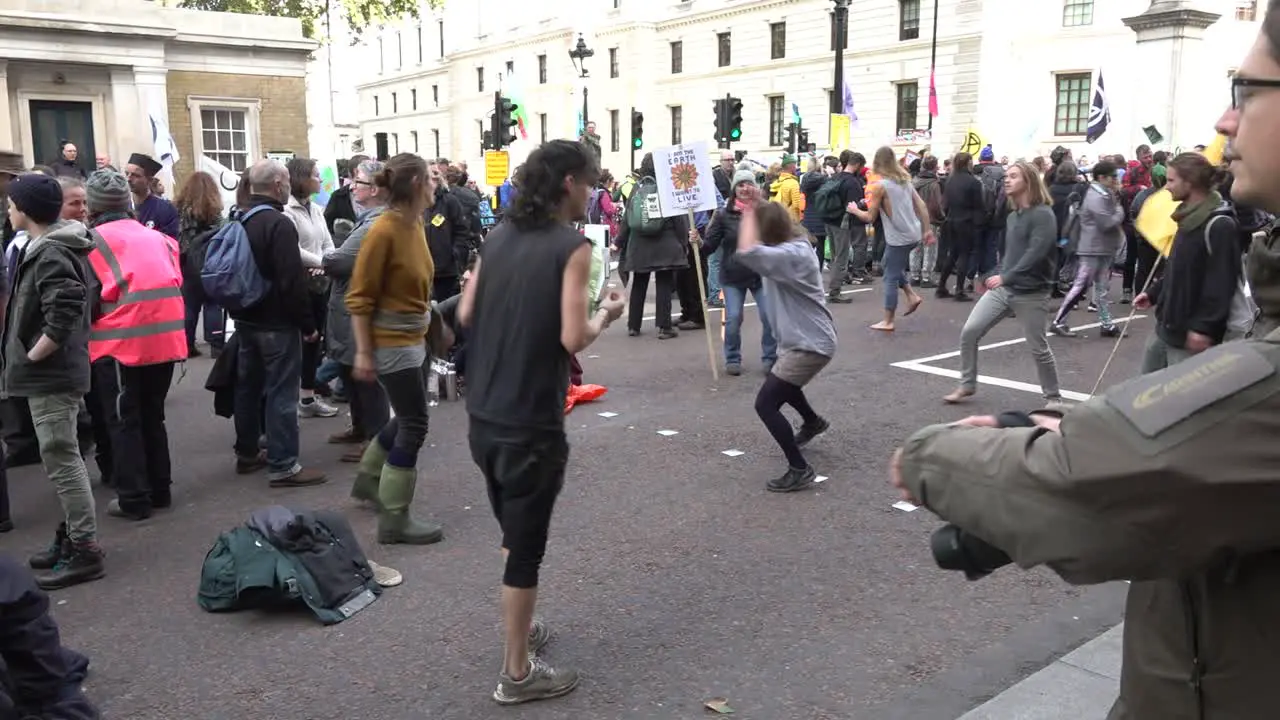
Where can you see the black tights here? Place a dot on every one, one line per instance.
(775, 393)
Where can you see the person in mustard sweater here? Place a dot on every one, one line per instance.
(390, 303)
(786, 189)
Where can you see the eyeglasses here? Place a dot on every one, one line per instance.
(362, 182)
(1239, 87)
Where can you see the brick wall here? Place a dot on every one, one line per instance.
(282, 119)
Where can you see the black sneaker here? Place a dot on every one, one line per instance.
(795, 479)
(838, 299)
(51, 555)
(1110, 331)
(690, 325)
(6, 525)
(668, 333)
(1061, 330)
(808, 431)
(81, 563)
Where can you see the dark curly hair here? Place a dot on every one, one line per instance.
(541, 181)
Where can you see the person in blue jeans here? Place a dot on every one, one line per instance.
(270, 332)
(736, 280)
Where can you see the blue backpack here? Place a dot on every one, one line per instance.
(230, 275)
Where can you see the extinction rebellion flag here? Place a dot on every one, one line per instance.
(1099, 112)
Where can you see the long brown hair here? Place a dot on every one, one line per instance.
(199, 199)
(885, 164)
(1037, 193)
(407, 182)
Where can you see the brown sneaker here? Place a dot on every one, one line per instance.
(303, 478)
(355, 454)
(346, 437)
(249, 466)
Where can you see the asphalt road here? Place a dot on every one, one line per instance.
(672, 577)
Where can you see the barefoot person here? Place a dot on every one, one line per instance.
(771, 244)
(526, 309)
(1023, 285)
(906, 225)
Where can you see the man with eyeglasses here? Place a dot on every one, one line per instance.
(341, 206)
(1168, 480)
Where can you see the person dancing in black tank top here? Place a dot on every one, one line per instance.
(528, 312)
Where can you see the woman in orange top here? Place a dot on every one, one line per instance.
(390, 303)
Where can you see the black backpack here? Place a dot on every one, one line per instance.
(993, 196)
(828, 201)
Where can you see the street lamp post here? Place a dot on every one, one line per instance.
(578, 55)
(842, 33)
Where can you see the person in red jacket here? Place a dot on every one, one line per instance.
(138, 334)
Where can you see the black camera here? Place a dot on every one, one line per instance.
(955, 549)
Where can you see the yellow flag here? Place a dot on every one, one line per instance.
(1155, 221)
(972, 143)
(1216, 150)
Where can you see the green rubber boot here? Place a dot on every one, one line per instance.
(369, 472)
(395, 526)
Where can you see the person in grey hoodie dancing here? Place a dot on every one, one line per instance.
(1023, 285)
(1101, 234)
(774, 246)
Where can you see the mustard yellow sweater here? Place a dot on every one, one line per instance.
(393, 274)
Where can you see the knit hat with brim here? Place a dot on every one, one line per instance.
(107, 191)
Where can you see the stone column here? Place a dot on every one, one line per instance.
(124, 132)
(1175, 95)
(7, 140)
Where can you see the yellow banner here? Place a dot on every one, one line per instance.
(497, 165)
(972, 143)
(839, 131)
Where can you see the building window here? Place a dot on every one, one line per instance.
(542, 69)
(615, 138)
(399, 50)
(395, 105)
(1247, 10)
(440, 29)
(381, 57)
(435, 138)
(1071, 108)
(375, 106)
(419, 44)
(480, 79)
(677, 57)
(617, 4)
(777, 125)
(435, 95)
(908, 104)
(542, 127)
(908, 19)
(844, 41)
(226, 131)
(777, 40)
(511, 67)
(413, 135)
(1076, 13)
(724, 43)
(395, 143)
(677, 120)
(613, 62)
(413, 98)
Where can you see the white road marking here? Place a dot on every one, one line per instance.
(751, 304)
(820, 478)
(905, 506)
(921, 365)
(668, 433)
(608, 414)
(732, 453)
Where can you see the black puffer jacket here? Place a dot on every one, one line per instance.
(809, 185)
(723, 235)
(1061, 193)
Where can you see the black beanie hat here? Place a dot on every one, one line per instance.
(37, 196)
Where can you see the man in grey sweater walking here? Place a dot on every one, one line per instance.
(1023, 285)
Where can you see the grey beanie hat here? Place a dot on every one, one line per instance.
(743, 176)
(107, 191)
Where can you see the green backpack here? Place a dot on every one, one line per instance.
(644, 215)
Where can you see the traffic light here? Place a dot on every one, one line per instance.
(504, 121)
(804, 140)
(486, 141)
(637, 129)
(722, 121)
(792, 136)
(735, 118)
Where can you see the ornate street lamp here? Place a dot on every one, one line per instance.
(578, 55)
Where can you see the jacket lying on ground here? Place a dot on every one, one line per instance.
(280, 557)
(1169, 480)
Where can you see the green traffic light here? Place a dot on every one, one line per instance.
(735, 133)
(638, 143)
